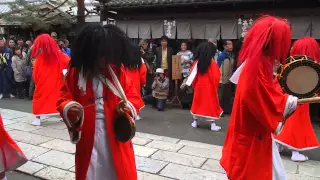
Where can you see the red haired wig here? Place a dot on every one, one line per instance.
(268, 40)
(46, 45)
(306, 46)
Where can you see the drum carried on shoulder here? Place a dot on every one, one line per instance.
(300, 77)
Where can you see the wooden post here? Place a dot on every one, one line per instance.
(176, 76)
(80, 14)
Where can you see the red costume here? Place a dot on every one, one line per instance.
(47, 74)
(122, 160)
(138, 76)
(205, 102)
(298, 133)
(249, 152)
(11, 156)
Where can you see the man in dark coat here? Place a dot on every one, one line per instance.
(164, 57)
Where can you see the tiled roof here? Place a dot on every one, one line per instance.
(139, 3)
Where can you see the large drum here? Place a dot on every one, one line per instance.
(300, 76)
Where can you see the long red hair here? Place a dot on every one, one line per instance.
(44, 44)
(306, 46)
(268, 40)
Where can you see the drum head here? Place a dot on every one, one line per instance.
(124, 129)
(301, 78)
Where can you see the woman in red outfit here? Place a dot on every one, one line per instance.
(97, 52)
(47, 75)
(298, 134)
(138, 75)
(205, 77)
(11, 156)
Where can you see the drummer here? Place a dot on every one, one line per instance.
(255, 114)
(298, 134)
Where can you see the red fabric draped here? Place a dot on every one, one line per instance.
(48, 79)
(11, 155)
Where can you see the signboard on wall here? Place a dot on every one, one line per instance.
(176, 67)
(170, 29)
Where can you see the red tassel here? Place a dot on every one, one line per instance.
(306, 46)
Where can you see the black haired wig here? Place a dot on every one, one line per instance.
(204, 54)
(96, 43)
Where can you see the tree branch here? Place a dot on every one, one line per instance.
(53, 9)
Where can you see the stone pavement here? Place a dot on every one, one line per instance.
(51, 154)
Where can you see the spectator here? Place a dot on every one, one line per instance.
(6, 72)
(25, 48)
(148, 57)
(63, 44)
(20, 42)
(12, 43)
(164, 57)
(160, 91)
(18, 65)
(214, 42)
(226, 65)
(66, 43)
(54, 36)
(164, 60)
(29, 43)
(186, 59)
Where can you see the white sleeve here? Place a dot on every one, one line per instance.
(291, 106)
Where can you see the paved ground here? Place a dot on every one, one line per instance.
(51, 154)
(19, 176)
(172, 123)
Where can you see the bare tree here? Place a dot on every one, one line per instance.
(38, 15)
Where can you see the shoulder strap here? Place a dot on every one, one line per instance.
(118, 90)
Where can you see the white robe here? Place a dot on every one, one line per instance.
(101, 164)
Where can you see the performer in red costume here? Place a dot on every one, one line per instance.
(298, 134)
(99, 155)
(205, 77)
(249, 152)
(47, 75)
(11, 156)
(138, 74)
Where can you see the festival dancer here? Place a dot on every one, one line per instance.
(47, 76)
(249, 151)
(99, 155)
(11, 156)
(205, 77)
(138, 74)
(298, 134)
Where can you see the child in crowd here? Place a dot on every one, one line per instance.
(18, 64)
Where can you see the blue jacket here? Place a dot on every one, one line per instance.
(67, 51)
(222, 56)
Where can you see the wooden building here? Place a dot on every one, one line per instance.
(203, 19)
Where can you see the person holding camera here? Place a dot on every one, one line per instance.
(160, 90)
